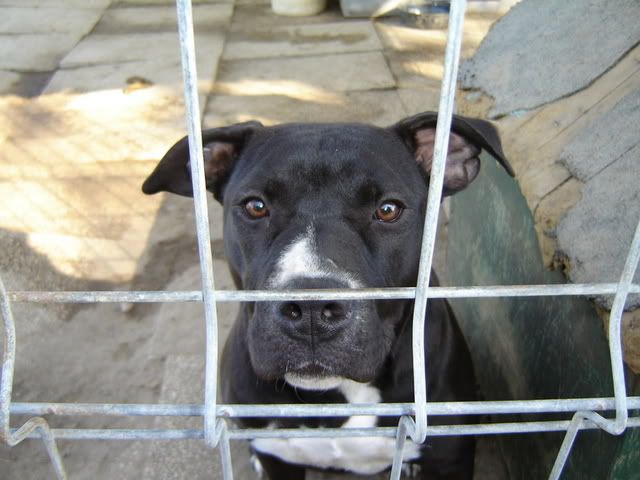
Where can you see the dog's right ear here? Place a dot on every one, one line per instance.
(221, 148)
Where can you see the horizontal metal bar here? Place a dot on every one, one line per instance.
(407, 293)
(324, 410)
(248, 434)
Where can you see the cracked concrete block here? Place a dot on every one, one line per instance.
(299, 40)
(35, 52)
(312, 79)
(157, 18)
(604, 140)
(596, 234)
(381, 108)
(554, 49)
(46, 20)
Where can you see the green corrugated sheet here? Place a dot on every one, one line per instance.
(530, 348)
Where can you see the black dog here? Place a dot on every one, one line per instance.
(335, 206)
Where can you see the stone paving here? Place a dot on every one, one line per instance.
(90, 99)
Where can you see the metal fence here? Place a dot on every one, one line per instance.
(413, 423)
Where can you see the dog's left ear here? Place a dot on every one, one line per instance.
(468, 136)
(221, 148)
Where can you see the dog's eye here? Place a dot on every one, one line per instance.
(256, 208)
(388, 211)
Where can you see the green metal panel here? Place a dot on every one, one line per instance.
(529, 348)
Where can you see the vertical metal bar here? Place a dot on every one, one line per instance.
(567, 443)
(445, 112)
(187, 52)
(615, 337)
(6, 386)
(42, 427)
(8, 363)
(405, 427)
(225, 451)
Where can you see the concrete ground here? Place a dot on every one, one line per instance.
(90, 100)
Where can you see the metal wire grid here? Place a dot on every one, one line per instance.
(413, 416)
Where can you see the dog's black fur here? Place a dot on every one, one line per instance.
(334, 191)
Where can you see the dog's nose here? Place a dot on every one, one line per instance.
(320, 319)
(329, 312)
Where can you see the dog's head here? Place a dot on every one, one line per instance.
(310, 206)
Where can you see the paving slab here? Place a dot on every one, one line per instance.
(57, 3)
(8, 81)
(128, 76)
(104, 49)
(48, 19)
(35, 52)
(24, 84)
(179, 328)
(306, 78)
(89, 217)
(417, 100)
(380, 108)
(570, 44)
(155, 18)
(128, 61)
(396, 35)
(299, 40)
(416, 70)
(183, 383)
(118, 3)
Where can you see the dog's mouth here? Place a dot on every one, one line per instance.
(313, 376)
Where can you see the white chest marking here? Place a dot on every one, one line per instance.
(366, 455)
(300, 259)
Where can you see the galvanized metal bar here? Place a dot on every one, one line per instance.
(249, 434)
(405, 293)
(618, 426)
(225, 450)
(405, 425)
(36, 425)
(40, 428)
(190, 84)
(436, 181)
(8, 362)
(502, 407)
(565, 449)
